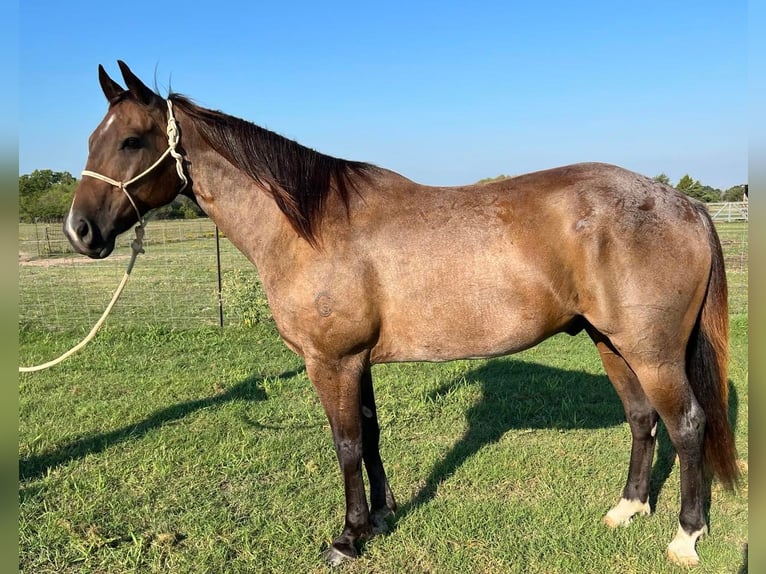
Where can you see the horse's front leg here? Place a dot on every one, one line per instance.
(338, 383)
(382, 503)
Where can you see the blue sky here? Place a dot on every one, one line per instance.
(445, 93)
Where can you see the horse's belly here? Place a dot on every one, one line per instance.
(437, 333)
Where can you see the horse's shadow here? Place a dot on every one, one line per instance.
(38, 465)
(514, 395)
(517, 395)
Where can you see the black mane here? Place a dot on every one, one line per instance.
(299, 178)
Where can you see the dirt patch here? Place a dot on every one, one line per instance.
(25, 260)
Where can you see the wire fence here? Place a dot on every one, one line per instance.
(188, 279)
(174, 284)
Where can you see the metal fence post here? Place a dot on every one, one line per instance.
(218, 267)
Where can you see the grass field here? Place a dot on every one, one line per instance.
(207, 451)
(734, 240)
(160, 449)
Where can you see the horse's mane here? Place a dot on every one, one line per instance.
(300, 179)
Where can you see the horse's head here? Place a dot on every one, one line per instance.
(129, 169)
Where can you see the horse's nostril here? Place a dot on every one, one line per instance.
(82, 228)
(86, 237)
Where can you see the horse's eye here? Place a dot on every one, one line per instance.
(131, 143)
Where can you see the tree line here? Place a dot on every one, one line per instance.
(45, 194)
(697, 190)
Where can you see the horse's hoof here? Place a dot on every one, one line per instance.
(378, 520)
(611, 522)
(681, 550)
(623, 513)
(336, 555)
(683, 560)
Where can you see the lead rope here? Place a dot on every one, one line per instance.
(137, 245)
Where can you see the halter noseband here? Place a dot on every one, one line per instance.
(173, 138)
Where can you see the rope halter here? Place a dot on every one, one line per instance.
(173, 138)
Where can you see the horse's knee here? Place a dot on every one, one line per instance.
(349, 451)
(643, 423)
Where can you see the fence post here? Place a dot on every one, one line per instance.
(218, 267)
(37, 240)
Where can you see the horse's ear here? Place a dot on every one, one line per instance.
(111, 88)
(139, 90)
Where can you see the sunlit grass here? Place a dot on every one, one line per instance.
(206, 450)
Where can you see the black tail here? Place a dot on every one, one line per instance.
(706, 365)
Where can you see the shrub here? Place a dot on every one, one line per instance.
(243, 297)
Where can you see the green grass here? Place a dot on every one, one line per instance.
(735, 243)
(206, 450)
(159, 449)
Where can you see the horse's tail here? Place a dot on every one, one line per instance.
(706, 365)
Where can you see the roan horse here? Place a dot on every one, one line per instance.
(362, 266)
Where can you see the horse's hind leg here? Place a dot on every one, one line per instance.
(661, 371)
(642, 418)
(382, 502)
(668, 389)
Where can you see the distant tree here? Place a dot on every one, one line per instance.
(695, 189)
(45, 194)
(491, 179)
(735, 193)
(662, 178)
(708, 194)
(687, 184)
(41, 180)
(54, 203)
(191, 210)
(180, 208)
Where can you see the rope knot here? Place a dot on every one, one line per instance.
(174, 137)
(137, 245)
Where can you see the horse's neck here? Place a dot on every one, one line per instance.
(246, 214)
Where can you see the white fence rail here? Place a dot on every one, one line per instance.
(729, 212)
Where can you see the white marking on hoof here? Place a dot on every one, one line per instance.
(681, 550)
(623, 513)
(654, 430)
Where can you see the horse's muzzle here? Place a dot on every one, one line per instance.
(86, 237)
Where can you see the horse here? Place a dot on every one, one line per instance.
(362, 266)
